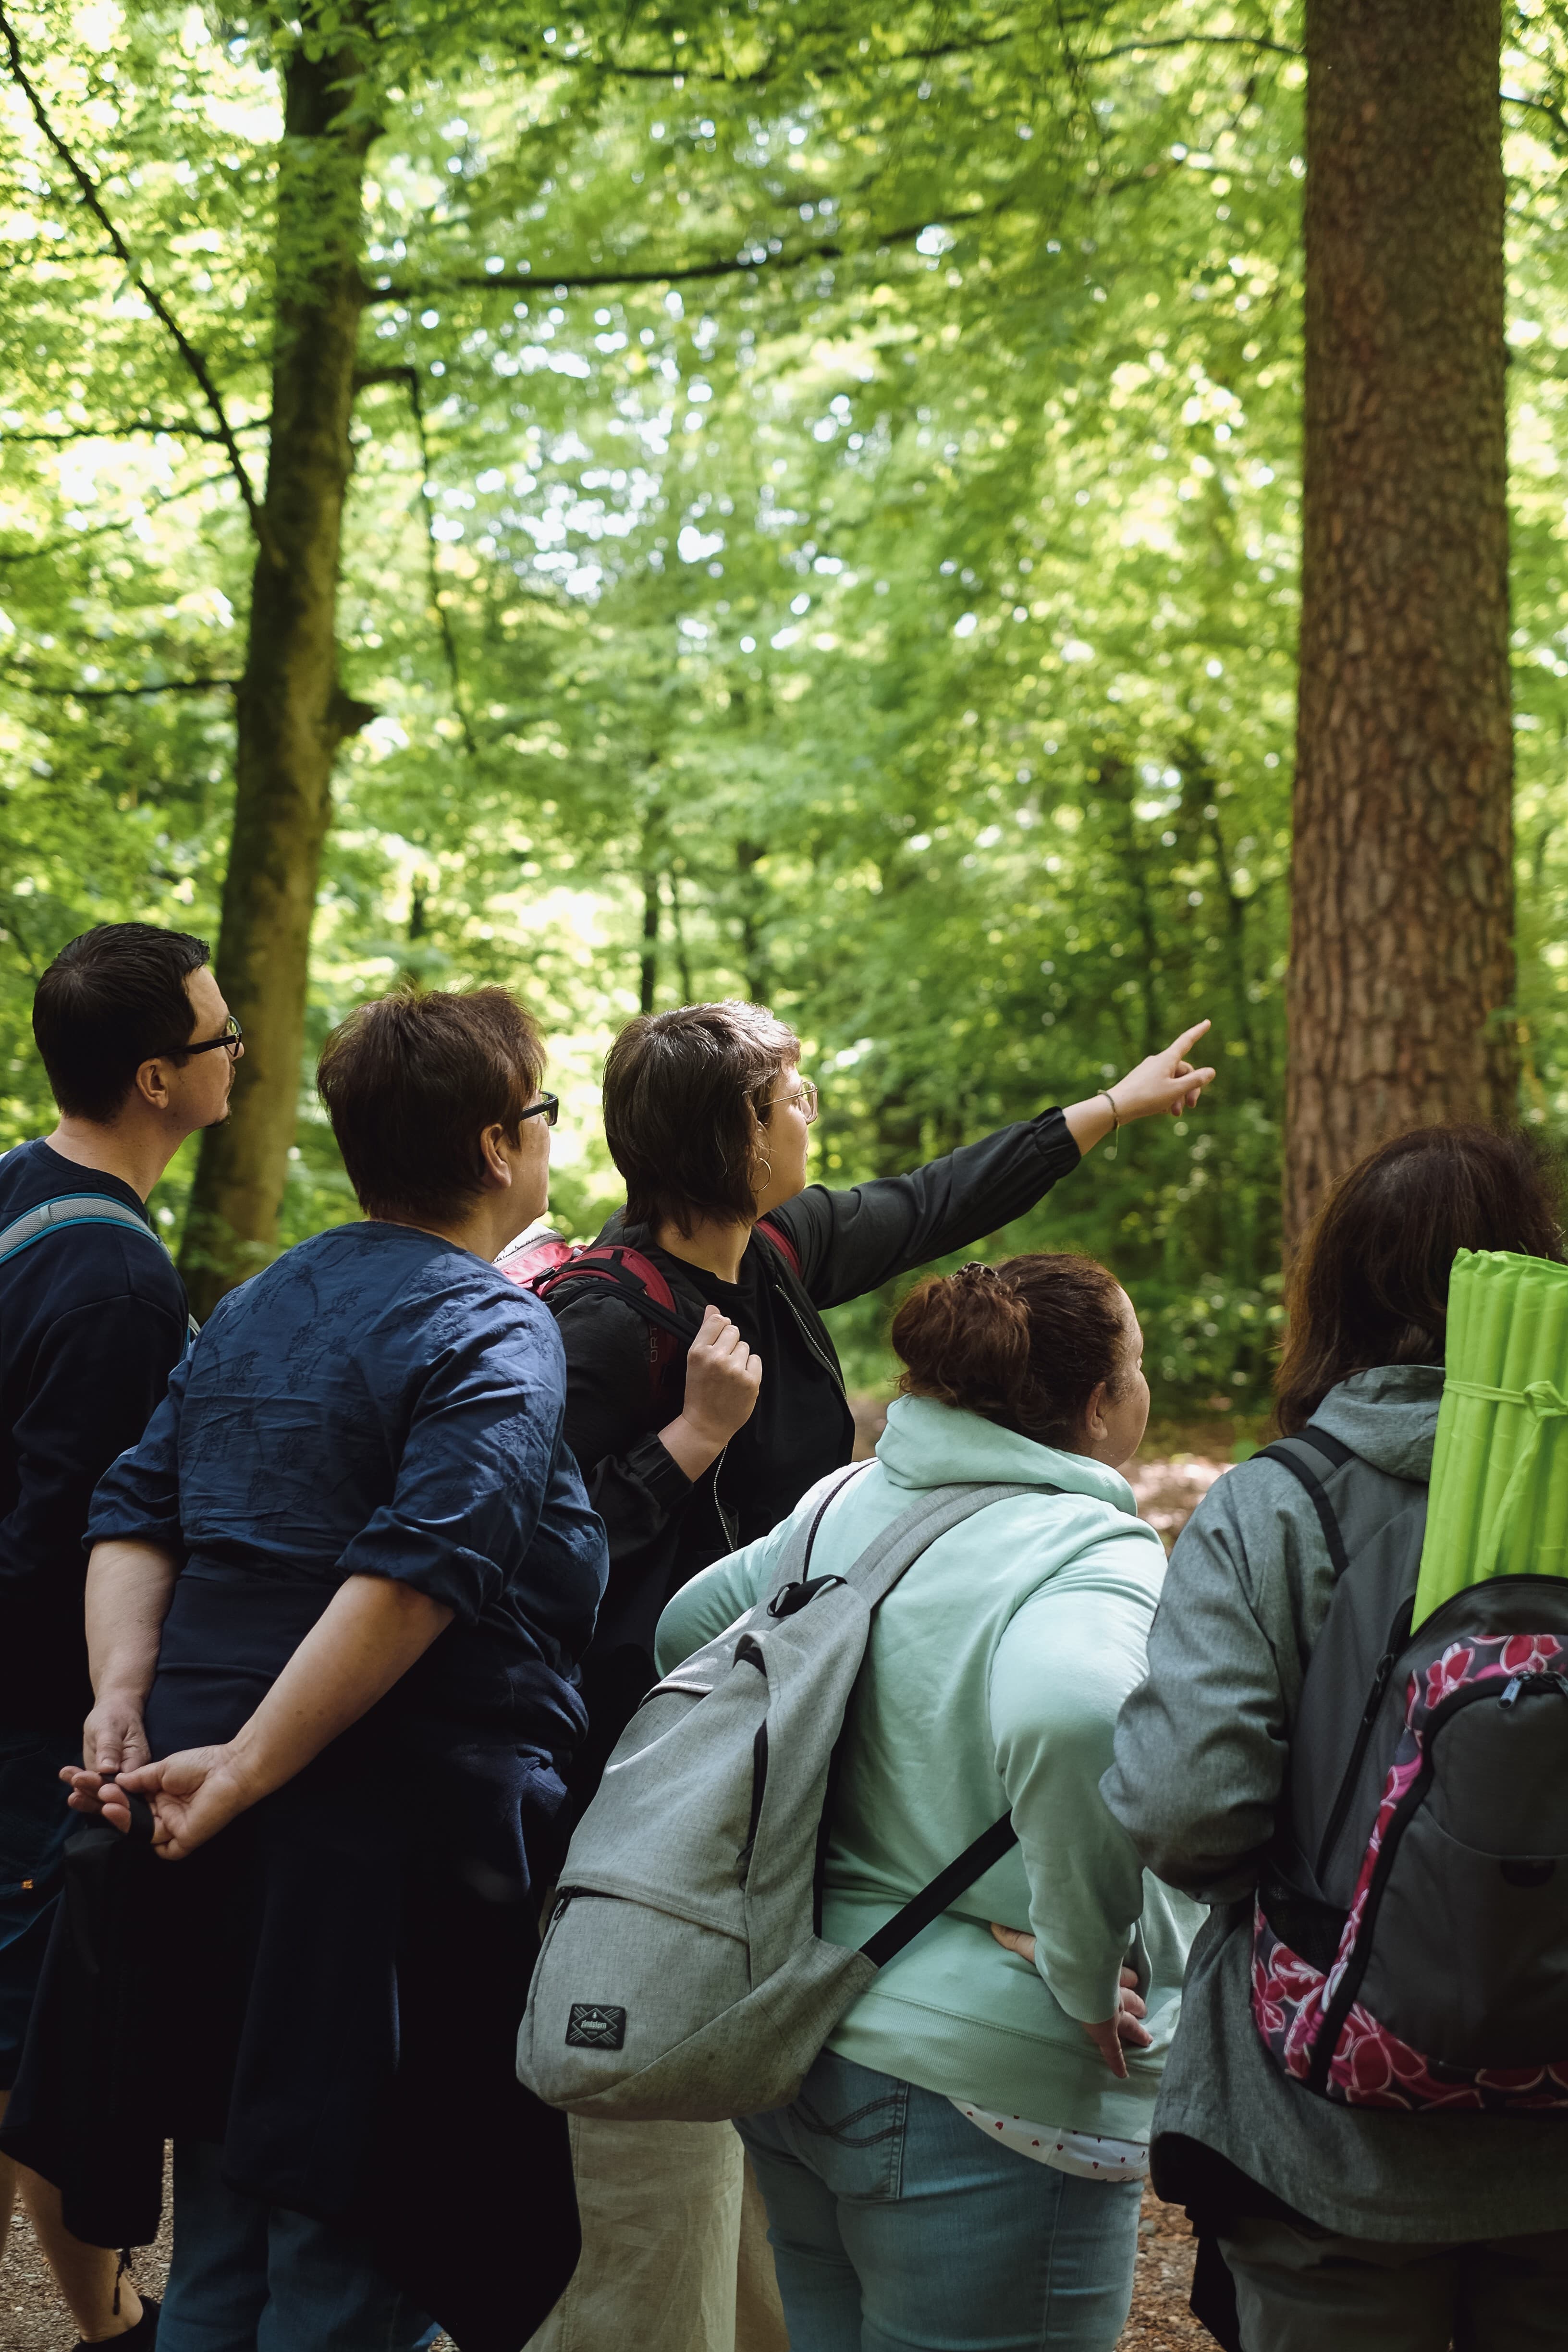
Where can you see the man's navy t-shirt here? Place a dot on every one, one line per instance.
(92, 1321)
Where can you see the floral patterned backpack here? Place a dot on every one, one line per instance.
(1410, 1933)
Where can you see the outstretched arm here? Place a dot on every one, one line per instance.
(852, 1241)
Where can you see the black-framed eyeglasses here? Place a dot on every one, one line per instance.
(233, 1038)
(547, 1107)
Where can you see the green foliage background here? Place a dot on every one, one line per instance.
(901, 622)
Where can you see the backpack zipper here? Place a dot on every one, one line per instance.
(729, 1526)
(1398, 1635)
(828, 1366)
(759, 1786)
(1328, 2035)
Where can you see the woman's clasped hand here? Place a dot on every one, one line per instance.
(1111, 2032)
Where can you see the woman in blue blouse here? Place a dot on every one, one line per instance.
(334, 1608)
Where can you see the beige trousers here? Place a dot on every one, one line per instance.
(675, 2248)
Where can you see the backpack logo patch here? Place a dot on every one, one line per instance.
(591, 2025)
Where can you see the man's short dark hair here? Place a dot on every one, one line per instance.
(112, 1000)
(680, 1091)
(410, 1081)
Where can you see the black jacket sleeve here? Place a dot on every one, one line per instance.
(613, 1414)
(854, 1240)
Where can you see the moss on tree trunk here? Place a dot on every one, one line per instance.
(292, 711)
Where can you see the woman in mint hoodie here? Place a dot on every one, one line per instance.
(964, 2164)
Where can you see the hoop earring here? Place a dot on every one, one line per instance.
(767, 1166)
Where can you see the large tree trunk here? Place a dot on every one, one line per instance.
(292, 712)
(1401, 905)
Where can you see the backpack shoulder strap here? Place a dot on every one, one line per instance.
(625, 1271)
(70, 1208)
(638, 1281)
(931, 1515)
(933, 1900)
(781, 1242)
(1303, 1472)
(1333, 1452)
(82, 1209)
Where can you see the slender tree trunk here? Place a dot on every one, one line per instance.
(292, 711)
(1116, 783)
(749, 856)
(682, 954)
(648, 961)
(1402, 904)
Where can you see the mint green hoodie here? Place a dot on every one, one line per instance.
(993, 1680)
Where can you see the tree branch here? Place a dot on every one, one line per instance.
(1554, 114)
(1196, 40)
(675, 71)
(677, 273)
(87, 190)
(176, 430)
(410, 378)
(110, 693)
(101, 529)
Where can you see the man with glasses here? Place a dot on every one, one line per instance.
(139, 1050)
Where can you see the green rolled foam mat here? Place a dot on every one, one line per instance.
(1498, 1501)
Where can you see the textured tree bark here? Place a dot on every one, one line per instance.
(1402, 896)
(292, 711)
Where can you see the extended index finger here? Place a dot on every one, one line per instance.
(1188, 1039)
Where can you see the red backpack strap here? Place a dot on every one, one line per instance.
(636, 1277)
(781, 1242)
(645, 1289)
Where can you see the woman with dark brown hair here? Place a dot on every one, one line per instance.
(964, 2163)
(698, 1432)
(334, 1607)
(1366, 2227)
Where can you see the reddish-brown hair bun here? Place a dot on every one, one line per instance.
(1024, 1344)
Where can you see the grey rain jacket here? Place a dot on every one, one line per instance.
(1201, 1751)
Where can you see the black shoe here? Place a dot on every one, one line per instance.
(139, 2338)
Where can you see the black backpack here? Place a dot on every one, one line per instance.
(1410, 1933)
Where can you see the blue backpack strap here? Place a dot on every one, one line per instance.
(1335, 1455)
(80, 1209)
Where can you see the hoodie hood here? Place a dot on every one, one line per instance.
(930, 1445)
(1388, 1416)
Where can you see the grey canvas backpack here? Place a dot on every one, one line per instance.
(684, 1976)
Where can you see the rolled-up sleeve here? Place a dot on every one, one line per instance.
(474, 1469)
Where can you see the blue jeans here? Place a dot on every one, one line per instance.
(35, 1822)
(897, 2226)
(248, 2277)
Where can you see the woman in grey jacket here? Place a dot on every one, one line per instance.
(1376, 2231)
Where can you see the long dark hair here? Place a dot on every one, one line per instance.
(1370, 1285)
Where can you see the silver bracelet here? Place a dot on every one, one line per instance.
(1115, 1114)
